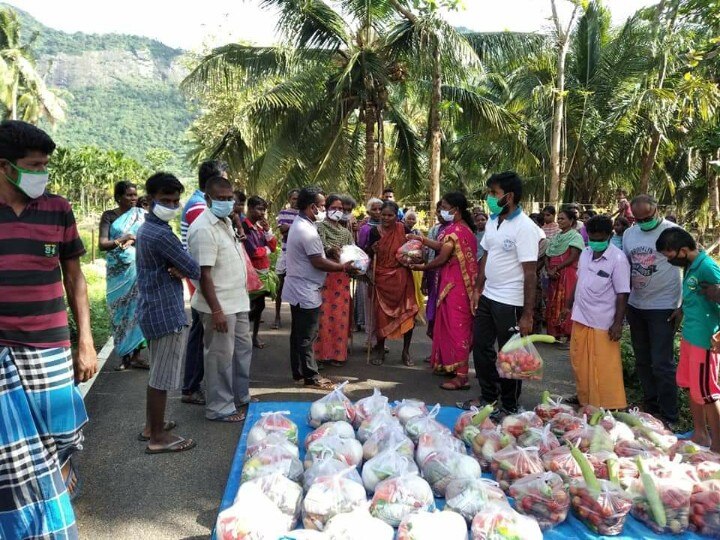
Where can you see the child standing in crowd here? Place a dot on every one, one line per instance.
(598, 306)
(620, 225)
(550, 226)
(700, 346)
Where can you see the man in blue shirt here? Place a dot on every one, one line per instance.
(161, 265)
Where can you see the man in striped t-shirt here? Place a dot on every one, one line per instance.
(42, 411)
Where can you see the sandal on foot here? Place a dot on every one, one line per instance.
(320, 383)
(377, 358)
(125, 364)
(233, 418)
(178, 446)
(139, 364)
(468, 404)
(196, 398)
(408, 361)
(169, 426)
(456, 383)
(72, 481)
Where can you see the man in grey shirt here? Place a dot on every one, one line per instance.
(305, 275)
(653, 311)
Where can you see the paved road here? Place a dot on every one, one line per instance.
(127, 494)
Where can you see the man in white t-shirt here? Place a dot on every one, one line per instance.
(504, 297)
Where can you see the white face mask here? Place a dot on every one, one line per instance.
(165, 213)
(31, 183)
(335, 215)
(447, 215)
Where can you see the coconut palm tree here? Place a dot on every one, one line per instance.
(23, 93)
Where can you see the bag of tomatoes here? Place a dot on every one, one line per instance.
(519, 359)
(542, 496)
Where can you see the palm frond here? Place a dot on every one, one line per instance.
(310, 24)
(408, 151)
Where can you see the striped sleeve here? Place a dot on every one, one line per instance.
(71, 246)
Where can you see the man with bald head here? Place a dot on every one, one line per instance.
(653, 310)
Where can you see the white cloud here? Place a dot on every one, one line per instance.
(190, 25)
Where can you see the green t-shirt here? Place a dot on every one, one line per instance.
(701, 316)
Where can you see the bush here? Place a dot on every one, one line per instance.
(99, 314)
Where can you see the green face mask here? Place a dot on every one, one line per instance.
(598, 247)
(494, 204)
(649, 225)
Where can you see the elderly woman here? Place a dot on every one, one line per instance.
(561, 261)
(456, 261)
(394, 302)
(410, 221)
(364, 292)
(117, 236)
(334, 327)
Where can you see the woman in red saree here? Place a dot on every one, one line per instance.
(561, 260)
(394, 298)
(457, 262)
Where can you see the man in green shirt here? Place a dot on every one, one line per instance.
(699, 350)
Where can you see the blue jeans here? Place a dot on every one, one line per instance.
(194, 361)
(652, 341)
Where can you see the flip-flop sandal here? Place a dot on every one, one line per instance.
(72, 478)
(180, 445)
(408, 361)
(192, 399)
(169, 426)
(455, 384)
(234, 418)
(321, 384)
(140, 364)
(377, 359)
(468, 404)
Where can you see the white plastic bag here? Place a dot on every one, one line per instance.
(386, 464)
(326, 465)
(399, 496)
(369, 406)
(330, 496)
(442, 467)
(420, 425)
(358, 525)
(273, 422)
(497, 521)
(331, 408)
(360, 259)
(381, 419)
(253, 516)
(272, 459)
(341, 429)
(390, 436)
(432, 526)
(433, 442)
(346, 450)
(467, 496)
(410, 408)
(272, 440)
(284, 493)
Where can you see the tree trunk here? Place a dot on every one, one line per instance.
(380, 154)
(14, 97)
(714, 187)
(435, 129)
(371, 189)
(648, 162)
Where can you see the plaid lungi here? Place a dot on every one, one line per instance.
(40, 427)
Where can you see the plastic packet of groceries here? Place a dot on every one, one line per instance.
(327, 465)
(367, 407)
(544, 439)
(512, 463)
(286, 494)
(409, 408)
(388, 436)
(603, 510)
(425, 424)
(331, 408)
(399, 496)
(271, 460)
(467, 496)
(500, 522)
(273, 422)
(252, 515)
(519, 359)
(382, 419)
(432, 525)
(360, 259)
(488, 442)
(346, 450)
(358, 525)
(386, 464)
(705, 508)
(274, 439)
(411, 252)
(340, 428)
(431, 442)
(542, 496)
(442, 467)
(471, 422)
(330, 496)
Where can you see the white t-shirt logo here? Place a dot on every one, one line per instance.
(508, 244)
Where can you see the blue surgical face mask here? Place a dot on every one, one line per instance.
(222, 209)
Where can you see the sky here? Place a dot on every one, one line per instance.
(195, 25)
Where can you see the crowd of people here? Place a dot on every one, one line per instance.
(483, 277)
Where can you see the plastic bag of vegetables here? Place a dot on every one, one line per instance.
(631, 449)
(411, 252)
(425, 424)
(469, 423)
(346, 450)
(467, 496)
(442, 467)
(542, 438)
(326, 465)
(358, 525)
(285, 494)
(381, 419)
(663, 504)
(360, 259)
(542, 496)
(272, 459)
(388, 436)
(273, 422)
(369, 406)
(590, 439)
(330, 496)
(274, 439)
(431, 442)
(561, 462)
(399, 496)
(561, 423)
(500, 522)
(601, 505)
(517, 424)
(410, 408)
(618, 431)
(705, 508)
(432, 525)
(549, 406)
(489, 441)
(253, 516)
(331, 408)
(340, 428)
(519, 359)
(512, 463)
(386, 464)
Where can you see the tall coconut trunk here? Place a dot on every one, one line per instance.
(435, 129)
(14, 97)
(713, 179)
(371, 187)
(648, 162)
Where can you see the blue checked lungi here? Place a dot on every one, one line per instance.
(41, 417)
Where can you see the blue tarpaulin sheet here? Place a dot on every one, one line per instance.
(572, 529)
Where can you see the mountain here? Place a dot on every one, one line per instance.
(121, 90)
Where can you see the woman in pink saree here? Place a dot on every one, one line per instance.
(457, 263)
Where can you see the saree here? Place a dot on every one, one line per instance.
(335, 321)
(122, 290)
(431, 278)
(395, 303)
(558, 251)
(453, 325)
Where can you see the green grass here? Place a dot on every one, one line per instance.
(632, 382)
(99, 314)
